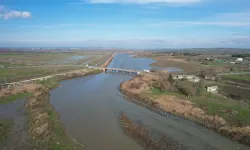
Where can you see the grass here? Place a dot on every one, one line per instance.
(12, 98)
(238, 77)
(157, 91)
(101, 60)
(17, 74)
(5, 128)
(60, 141)
(164, 62)
(234, 112)
(49, 83)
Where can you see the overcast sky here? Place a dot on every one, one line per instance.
(125, 23)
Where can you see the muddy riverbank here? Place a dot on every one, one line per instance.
(40, 128)
(136, 87)
(106, 64)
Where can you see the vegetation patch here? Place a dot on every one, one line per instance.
(149, 139)
(228, 117)
(5, 128)
(238, 77)
(11, 98)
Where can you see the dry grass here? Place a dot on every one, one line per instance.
(187, 66)
(184, 108)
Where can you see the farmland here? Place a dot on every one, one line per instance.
(21, 65)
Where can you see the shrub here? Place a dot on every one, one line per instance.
(186, 88)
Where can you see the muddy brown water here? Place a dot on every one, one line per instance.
(89, 108)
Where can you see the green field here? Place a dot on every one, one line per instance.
(238, 77)
(235, 112)
(16, 66)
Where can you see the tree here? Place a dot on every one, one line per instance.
(199, 89)
(163, 84)
(170, 78)
(186, 88)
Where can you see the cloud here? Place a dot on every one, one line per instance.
(144, 1)
(6, 13)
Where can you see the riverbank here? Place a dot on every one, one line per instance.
(140, 88)
(106, 64)
(44, 129)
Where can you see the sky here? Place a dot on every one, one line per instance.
(125, 23)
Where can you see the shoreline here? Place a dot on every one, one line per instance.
(106, 64)
(216, 123)
(45, 128)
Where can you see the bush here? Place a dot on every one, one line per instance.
(186, 88)
(163, 83)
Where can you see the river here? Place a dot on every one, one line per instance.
(89, 108)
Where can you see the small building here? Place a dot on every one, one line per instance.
(210, 77)
(212, 89)
(239, 59)
(147, 71)
(178, 77)
(194, 79)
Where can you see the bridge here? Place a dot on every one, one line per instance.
(119, 70)
(114, 70)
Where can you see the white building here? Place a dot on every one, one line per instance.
(212, 89)
(178, 77)
(239, 59)
(147, 71)
(195, 79)
(191, 78)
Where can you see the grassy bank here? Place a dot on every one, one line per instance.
(228, 117)
(45, 129)
(232, 111)
(44, 121)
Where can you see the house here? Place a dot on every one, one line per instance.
(239, 59)
(191, 78)
(178, 77)
(212, 89)
(147, 71)
(210, 77)
(194, 79)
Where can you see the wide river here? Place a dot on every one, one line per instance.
(89, 108)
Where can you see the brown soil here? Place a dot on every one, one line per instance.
(183, 108)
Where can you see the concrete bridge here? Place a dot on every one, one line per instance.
(119, 70)
(112, 70)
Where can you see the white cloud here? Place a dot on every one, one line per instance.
(144, 1)
(6, 13)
